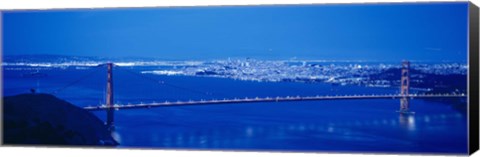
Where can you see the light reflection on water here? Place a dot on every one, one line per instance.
(245, 136)
(407, 121)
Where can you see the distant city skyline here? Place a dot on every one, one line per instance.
(390, 32)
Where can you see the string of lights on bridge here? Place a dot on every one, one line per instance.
(268, 99)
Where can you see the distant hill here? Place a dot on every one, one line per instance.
(47, 58)
(418, 79)
(42, 119)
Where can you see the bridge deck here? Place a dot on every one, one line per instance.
(268, 99)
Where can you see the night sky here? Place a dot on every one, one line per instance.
(376, 32)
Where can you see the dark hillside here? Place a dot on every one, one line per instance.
(42, 119)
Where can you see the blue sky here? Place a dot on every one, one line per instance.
(422, 31)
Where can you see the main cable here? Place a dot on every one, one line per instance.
(95, 69)
(165, 83)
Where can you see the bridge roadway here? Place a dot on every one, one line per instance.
(268, 99)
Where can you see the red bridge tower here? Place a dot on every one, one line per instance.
(404, 88)
(109, 99)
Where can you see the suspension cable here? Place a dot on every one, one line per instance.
(165, 83)
(95, 69)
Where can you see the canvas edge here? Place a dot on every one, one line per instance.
(1, 77)
(473, 79)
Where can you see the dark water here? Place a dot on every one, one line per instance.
(338, 125)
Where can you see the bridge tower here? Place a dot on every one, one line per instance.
(405, 86)
(109, 98)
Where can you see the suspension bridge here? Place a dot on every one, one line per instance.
(404, 97)
(267, 99)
